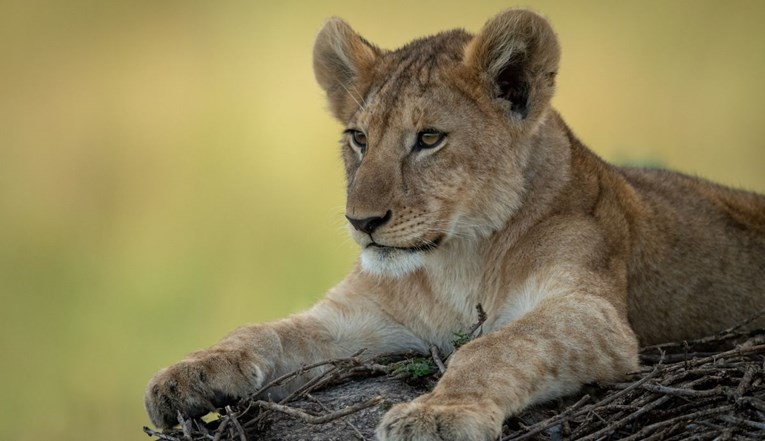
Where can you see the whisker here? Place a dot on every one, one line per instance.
(362, 106)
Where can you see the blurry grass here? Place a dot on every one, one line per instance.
(168, 171)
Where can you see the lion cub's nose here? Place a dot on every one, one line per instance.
(370, 224)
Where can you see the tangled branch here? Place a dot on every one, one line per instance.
(709, 388)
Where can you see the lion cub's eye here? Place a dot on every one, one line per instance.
(429, 139)
(358, 139)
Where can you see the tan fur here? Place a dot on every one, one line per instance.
(574, 260)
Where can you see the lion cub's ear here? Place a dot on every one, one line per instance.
(517, 54)
(340, 60)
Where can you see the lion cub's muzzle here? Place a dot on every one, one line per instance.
(395, 244)
(400, 238)
(370, 225)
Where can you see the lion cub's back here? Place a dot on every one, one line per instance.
(698, 261)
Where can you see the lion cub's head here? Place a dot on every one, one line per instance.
(437, 133)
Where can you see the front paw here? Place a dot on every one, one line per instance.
(203, 382)
(429, 420)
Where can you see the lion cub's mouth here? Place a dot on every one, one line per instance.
(429, 245)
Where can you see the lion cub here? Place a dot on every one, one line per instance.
(465, 187)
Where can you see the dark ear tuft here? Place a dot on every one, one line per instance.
(517, 53)
(340, 58)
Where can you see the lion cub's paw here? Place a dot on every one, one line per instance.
(203, 382)
(421, 420)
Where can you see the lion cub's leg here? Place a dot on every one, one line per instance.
(564, 342)
(250, 356)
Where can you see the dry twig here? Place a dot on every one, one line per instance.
(315, 419)
(437, 359)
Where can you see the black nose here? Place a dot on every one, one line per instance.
(370, 224)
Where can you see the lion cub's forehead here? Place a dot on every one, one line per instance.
(408, 81)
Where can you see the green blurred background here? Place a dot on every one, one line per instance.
(168, 170)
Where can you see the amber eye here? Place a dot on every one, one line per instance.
(429, 139)
(358, 139)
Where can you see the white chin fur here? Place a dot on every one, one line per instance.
(390, 262)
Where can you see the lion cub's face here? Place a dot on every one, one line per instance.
(434, 148)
